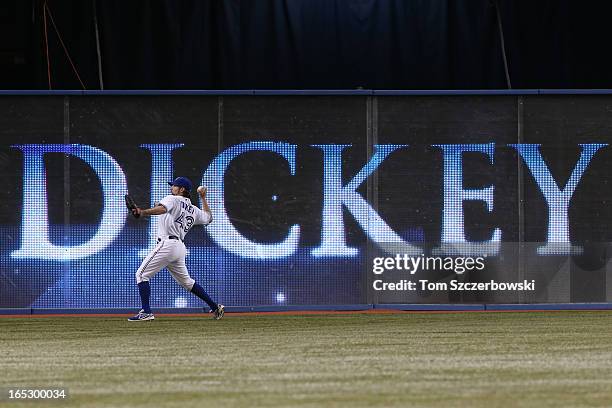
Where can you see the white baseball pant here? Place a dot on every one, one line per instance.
(168, 253)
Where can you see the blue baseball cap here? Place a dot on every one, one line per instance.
(181, 182)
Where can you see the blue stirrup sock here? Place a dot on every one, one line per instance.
(144, 288)
(201, 293)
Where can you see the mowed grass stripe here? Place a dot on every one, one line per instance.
(457, 359)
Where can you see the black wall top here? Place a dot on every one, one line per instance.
(303, 44)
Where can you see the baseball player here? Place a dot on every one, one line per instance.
(178, 215)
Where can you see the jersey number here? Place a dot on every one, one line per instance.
(184, 222)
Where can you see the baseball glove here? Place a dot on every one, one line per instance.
(131, 206)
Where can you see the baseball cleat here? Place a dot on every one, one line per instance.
(218, 314)
(141, 316)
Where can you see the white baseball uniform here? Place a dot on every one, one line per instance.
(170, 250)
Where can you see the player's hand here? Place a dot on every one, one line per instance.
(136, 212)
(202, 191)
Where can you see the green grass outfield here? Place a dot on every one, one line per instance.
(541, 359)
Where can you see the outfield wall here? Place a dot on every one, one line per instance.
(328, 198)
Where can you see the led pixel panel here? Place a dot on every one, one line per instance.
(306, 192)
(289, 192)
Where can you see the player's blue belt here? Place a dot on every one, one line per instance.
(170, 237)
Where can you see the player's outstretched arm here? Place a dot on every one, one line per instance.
(202, 192)
(157, 210)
